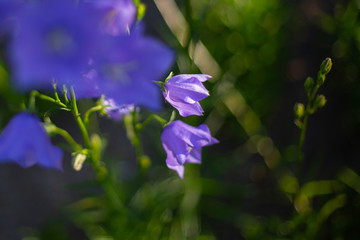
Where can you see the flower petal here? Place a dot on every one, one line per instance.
(184, 88)
(185, 109)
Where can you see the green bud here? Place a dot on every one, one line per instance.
(145, 162)
(309, 84)
(299, 110)
(320, 79)
(325, 66)
(320, 101)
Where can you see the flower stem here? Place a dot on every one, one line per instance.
(78, 119)
(314, 102)
(133, 134)
(307, 113)
(67, 137)
(140, 126)
(104, 178)
(46, 98)
(89, 112)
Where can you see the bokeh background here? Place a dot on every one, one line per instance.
(259, 53)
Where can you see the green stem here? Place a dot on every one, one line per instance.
(65, 94)
(106, 181)
(55, 93)
(47, 98)
(67, 137)
(88, 114)
(78, 119)
(140, 126)
(133, 133)
(308, 111)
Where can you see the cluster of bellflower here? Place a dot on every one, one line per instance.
(95, 48)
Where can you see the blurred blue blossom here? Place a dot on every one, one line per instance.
(115, 111)
(118, 15)
(59, 40)
(184, 92)
(7, 10)
(54, 40)
(128, 68)
(25, 141)
(183, 143)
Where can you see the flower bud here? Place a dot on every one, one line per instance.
(309, 84)
(299, 110)
(325, 66)
(320, 101)
(78, 161)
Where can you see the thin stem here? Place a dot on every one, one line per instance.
(89, 112)
(140, 126)
(102, 175)
(47, 98)
(67, 137)
(133, 134)
(78, 119)
(308, 112)
(65, 94)
(55, 93)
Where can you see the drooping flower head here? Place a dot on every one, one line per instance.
(184, 92)
(25, 141)
(183, 144)
(115, 111)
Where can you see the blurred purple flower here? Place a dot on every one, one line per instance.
(183, 144)
(8, 9)
(128, 68)
(25, 141)
(115, 111)
(118, 15)
(58, 40)
(55, 40)
(184, 92)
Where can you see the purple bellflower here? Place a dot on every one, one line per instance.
(183, 144)
(128, 68)
(184, 92)
(118, 15)
(54, 40)
(115, 111)
(25, 141)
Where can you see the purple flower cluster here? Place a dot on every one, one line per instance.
(95, 47)
(92, 45)
(183, 143)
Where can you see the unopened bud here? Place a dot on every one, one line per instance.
(299, 110)
(309, 84)
(325, 66)
(320, 101)
(78, 161)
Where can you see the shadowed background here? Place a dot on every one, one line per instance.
(259, 54)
